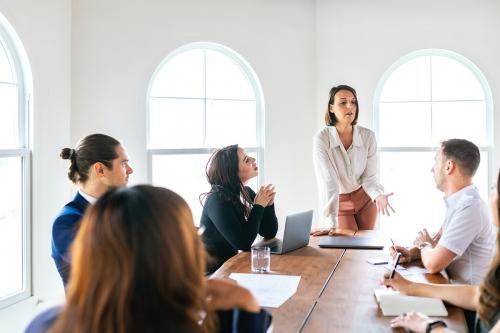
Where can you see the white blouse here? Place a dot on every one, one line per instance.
(340, 171)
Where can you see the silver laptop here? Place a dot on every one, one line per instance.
(296, 235)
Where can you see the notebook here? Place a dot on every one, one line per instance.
(296, 235)
(344, 242)
(392, 303)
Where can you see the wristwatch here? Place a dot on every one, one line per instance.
(434, 324)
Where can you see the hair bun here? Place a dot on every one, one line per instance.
(67, 153)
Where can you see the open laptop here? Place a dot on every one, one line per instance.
(351, 242)
(296, 235)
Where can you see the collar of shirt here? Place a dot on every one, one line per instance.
(335, 139)
(87, 197)
(454, 199)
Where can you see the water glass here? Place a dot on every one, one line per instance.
(261, 259)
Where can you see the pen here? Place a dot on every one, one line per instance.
(393, 245)
(396, 263)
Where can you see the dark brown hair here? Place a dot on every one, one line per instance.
(464, 153)
(222, 175)
(330, 119)
(489, 290)
(89, 150)
(138, 266)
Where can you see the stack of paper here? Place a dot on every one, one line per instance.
(392, 303)
(270, 290)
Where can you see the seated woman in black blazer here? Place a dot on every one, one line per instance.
(233, 214)
(138, 266)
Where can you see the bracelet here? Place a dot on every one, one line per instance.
(434, 324)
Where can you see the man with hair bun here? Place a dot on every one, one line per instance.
(98, 163)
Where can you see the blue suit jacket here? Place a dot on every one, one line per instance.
(64, 231)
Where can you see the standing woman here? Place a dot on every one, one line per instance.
(98, 163)
(233, 214)
(345, 161)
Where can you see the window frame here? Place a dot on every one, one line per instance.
(259, 148)
(488, 99)
(22, 76)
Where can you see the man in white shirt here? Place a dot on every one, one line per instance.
(464, 245)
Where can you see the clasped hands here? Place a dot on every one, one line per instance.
(265, 196)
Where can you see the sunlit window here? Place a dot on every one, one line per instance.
(426, 97)
(202, 97)
(14, 171)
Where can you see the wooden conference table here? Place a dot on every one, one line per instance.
(335, 293)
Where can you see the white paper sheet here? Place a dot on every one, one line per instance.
(393, 303)
(269, 289)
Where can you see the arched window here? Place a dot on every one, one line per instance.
(426, 97)
(15, 171)
(203, 96)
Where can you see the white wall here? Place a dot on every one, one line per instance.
(117, 45)
(358, 40)
(44, 29)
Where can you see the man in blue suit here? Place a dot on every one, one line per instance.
(98, 163)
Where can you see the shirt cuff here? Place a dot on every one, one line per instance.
(331, 222)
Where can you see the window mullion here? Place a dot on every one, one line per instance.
(204, 98)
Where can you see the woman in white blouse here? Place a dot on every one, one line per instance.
(345, 161)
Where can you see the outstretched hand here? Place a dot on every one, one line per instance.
(383, 205)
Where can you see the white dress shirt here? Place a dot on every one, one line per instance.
(87, 197)
(340, 171)
(468, 232)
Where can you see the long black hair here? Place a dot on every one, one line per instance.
(222, 175)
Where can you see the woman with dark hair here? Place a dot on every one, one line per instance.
(138, 266)
(233, 214)
(98, 163)
(345, 160)
(485, 298)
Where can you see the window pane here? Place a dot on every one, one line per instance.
(225, 79)
(5, 67)
(9, 123)
(11, 226)
(417, 201)
(451, 80)
(184, 174)
(175, 123)
(181, 76)
(464, 120)
(230, 122)
(481, 177)
(409, 82)
(393, 124)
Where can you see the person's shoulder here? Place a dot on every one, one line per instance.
(67, 216)
(365, 132)
(42, 322)
(323, 132)
(471, 199)
(323, 135)
(75, 207)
